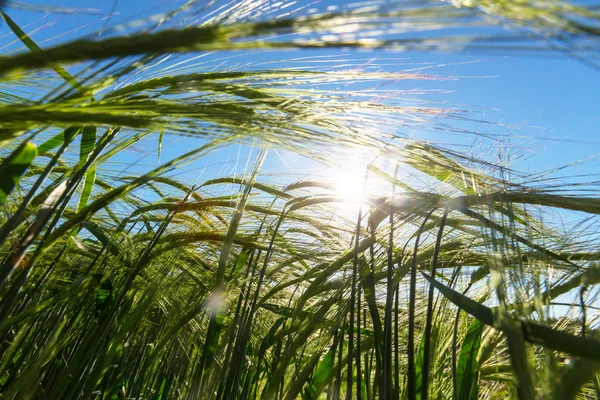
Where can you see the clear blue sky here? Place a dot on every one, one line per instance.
(550, 107)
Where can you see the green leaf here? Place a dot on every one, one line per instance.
(88, 142)
(421, 360)
(69, 133)
(14, 166)
(86, 190)
(172, 330)
(324, 369)
(479, 311)
(268, 340)
(467, 376)
(58, 139)
(240, 263)
(52, 143)
(419, 367)
(105, 296)
(533, 333)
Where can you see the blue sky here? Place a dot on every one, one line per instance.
(547, 107)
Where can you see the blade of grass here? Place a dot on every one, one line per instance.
(533, 333)
(14, 166)
(467, 387)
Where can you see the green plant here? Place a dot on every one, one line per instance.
(256, 291)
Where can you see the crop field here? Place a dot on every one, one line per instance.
(287, 200)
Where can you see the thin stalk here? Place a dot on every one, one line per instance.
(428, 323)
(351, 350)
(386, 375)
(337, 389)
(366, 361)
(396, 347)
(455, 346)
(358, 359)
(412, 376)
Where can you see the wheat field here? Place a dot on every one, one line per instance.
(167, 230)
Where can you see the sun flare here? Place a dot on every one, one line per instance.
(348, 185)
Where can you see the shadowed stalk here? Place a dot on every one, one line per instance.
(367, 365)
(352, 304)
(359, 376)
(430, 310)
(386, 376)
(455, 345)
(396, 346)
(411, 372)
(337, 387)
(369, 283)
(583, 312)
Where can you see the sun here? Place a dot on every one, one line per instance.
(348, 185)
